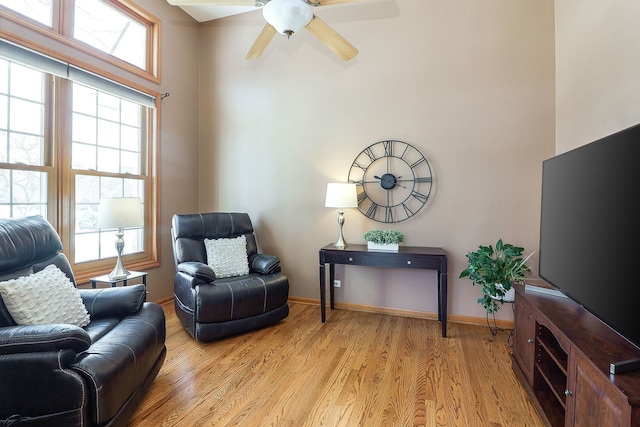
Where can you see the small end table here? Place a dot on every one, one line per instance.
(132, 275)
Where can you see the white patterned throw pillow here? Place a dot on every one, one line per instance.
(45, 297)
(227, 257)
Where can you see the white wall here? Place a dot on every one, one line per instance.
(470, 84)
(178, 151)
(598, 64)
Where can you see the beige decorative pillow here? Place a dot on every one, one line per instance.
(227, 257)
(45, 297)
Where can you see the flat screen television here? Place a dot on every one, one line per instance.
(590, 228)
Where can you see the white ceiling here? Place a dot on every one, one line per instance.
(208, 13)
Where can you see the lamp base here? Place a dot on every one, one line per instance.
(119, 271)
(340, 243)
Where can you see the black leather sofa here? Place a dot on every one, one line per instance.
(211, 307)
(65, 375)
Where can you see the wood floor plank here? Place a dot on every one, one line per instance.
(357, 369)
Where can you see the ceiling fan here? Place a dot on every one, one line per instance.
(286, 17)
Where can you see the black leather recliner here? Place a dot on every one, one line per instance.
(211, 307)
(65, 375)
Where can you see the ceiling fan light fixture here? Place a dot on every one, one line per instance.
(287, 16)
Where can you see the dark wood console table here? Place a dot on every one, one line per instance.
(420, 258)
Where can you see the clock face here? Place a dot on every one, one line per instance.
(393, 180)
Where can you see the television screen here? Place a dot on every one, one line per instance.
(590, 228)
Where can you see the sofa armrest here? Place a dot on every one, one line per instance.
(113, 302)
(264, 263)
(43, 338)
(198, 270)
(38, 384)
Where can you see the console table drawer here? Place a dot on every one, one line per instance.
(386, 260)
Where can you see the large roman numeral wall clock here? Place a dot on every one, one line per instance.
(393, 180)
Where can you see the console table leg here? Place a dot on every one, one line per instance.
(443, 302)
(323, 297)
(332, 277)
(439, 296)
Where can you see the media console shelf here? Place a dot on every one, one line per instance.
(562, 356)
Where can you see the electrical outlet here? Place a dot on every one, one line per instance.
(337, 283)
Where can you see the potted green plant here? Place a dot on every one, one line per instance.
(496, 269)
(383, 240)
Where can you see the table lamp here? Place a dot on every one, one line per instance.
(341, 195)
(119, 212)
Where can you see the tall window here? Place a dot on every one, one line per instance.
(106, 161)
(23, 179)
(69, 136)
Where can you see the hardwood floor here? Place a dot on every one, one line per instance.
(358, 369)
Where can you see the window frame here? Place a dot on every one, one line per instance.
(58, 144)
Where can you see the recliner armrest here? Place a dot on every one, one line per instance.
(114, 302)
(264, 263)
(197, 269)
(43, 338)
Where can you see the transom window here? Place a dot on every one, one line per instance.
(107, 29)
(38, 10)
(110, 28)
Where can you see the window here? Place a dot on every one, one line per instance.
(23, 179)
(106, 161)
(111, 31)
(114, 30)
(38, 10)
(69, 136)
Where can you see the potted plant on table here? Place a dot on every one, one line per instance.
(383, 240)
(497, 269)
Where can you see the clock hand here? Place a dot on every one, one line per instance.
(403, 186)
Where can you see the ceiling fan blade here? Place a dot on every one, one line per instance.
(256, 3)
(331, 38)
(265, 36)
(330, 2)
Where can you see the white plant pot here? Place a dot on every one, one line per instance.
(383, 247)
(509, 295)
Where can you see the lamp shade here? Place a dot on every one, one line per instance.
(118, 212)
(341, 195)
(287, 16)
